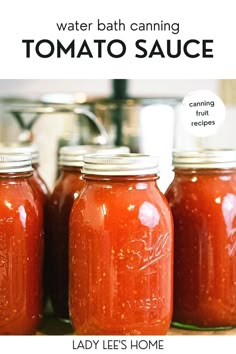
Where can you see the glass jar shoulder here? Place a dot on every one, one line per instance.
(16, 192)
(65, 192)
(67, 184)
(109, 191)
(40, 184)
(201, 186)
(121, 200)
(20, 210)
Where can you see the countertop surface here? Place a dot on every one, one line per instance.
(52, 326)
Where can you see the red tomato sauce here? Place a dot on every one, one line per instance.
(60, 204)
(21, 255)
(41, 189)
(203, 204)
(121, 257)
(40, 185)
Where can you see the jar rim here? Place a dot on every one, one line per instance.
(10, 163)
(74, 155)
(130, 164)
(21, 149)
(204, 159)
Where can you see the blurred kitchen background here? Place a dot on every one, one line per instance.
(141, 114)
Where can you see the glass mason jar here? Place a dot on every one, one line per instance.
(21, 247)
(121, 249)
(203, 202)
(41, 189)
(66, 190)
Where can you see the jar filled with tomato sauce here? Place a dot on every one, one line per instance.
(121, 249)
(66, 190)
(202, 197)
(40, 187)
(21, 247)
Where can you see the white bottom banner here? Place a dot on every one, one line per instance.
(129, 344)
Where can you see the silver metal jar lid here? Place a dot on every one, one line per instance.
(120, 165)
(10, 163)
(21, 149)
(74, 155)
(205, 159)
